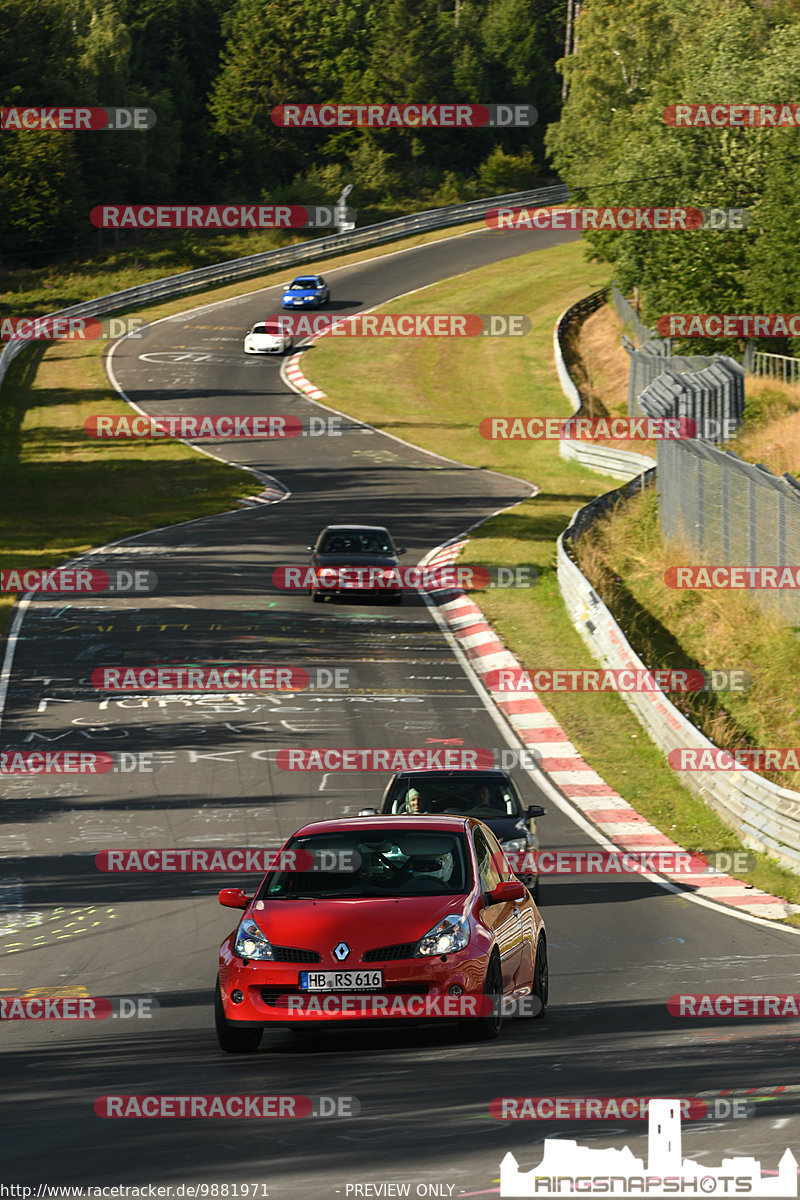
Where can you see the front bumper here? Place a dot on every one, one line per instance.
(269, 989)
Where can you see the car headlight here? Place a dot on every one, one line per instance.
(250, 942)
(517, 845)
(451, 934)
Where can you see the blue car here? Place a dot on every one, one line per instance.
(306, 291)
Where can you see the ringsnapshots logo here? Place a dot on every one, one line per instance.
(78, 580)
(69, 329)
(619, 679)
(232, 1106)
(404, 116)
(220, 677)
(602, 220)
(219, 216)
(76, 120)
(567, 1167)
(400, 325)
(727, 116)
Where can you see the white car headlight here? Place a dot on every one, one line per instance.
(451, 934)
(516, 844)
(250, 942)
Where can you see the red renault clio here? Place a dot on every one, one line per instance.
(374, 918)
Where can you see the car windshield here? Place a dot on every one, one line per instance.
(264, 328)
(475, 796)
(355, 541)
(302, 285)
(360, 864)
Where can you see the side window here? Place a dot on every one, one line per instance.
(488, 869)
(499, 858)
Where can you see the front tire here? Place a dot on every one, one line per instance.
(231, 1039)
(541, 979)
(484, 1029)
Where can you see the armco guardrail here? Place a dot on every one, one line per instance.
(765, 817)
(620, 464)
(267, 260)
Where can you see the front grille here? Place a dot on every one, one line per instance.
(291, 954)
(387, 953)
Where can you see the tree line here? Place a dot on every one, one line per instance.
(213, 70)
(613, 147)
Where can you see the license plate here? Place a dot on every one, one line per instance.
(340, 981)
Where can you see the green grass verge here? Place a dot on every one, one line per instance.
(434, 393)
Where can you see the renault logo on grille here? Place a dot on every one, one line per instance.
(341, 951)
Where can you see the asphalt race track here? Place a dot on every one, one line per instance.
(618, 950)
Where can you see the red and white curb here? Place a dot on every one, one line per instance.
(298, 380)
(272, 493)
(576, 779)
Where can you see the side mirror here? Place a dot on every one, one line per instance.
(286, 286)
(233, 898)
(368, 812)
(535, 810)
(507, 891)
(400, 550)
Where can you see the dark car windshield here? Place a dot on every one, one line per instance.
(303, 285)
(358, 864)
(473, 796)
(264, 328)
(355, 541)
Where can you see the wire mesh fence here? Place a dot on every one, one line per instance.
(731, 513)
